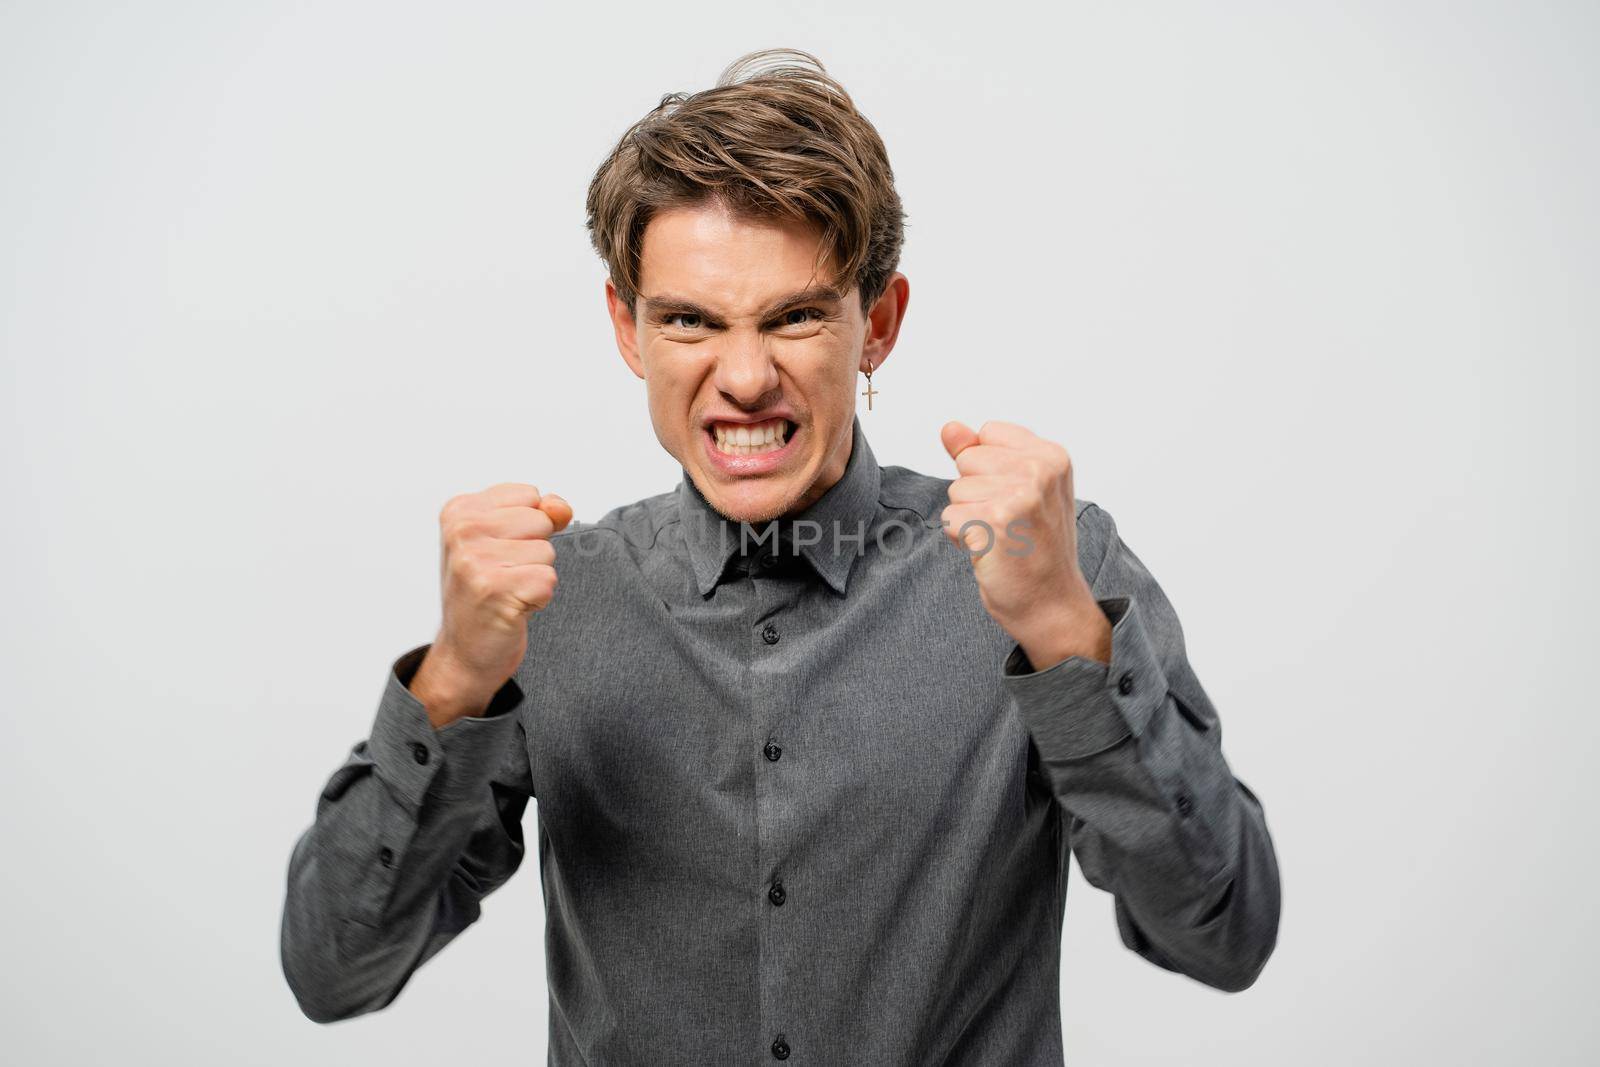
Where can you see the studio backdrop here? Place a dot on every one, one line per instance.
(1305, 289)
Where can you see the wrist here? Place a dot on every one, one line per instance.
(447, 690)
(1076, 629)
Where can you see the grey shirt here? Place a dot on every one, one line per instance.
(798, 797)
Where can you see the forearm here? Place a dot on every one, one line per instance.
(1160, 822)
(447, 691)
(1131, 748)
(410, 833)
(1078, 629)
(345, 949)
(351, 938)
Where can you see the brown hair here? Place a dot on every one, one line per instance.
(776, 137)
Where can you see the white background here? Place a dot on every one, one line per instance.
(1307, 290)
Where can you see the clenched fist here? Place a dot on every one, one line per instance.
(1014, 498)
(497, 567)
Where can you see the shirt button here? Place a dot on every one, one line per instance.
(769, 634)
(776, 894)
(1185, 805)
(780, 1049)
(1125, 684)
(419, 752)
(386, 856)
(772, 751)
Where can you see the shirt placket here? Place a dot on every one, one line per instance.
(769, 700)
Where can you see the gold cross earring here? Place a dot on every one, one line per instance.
(871, 392)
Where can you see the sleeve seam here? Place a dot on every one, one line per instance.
(1111, 533)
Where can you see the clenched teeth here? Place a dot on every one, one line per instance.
(743, 439)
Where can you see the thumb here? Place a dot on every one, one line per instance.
(559, 510)
(957, 435)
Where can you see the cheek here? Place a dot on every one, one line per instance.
(672, 379)
(823, 361)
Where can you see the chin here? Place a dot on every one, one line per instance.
(754, 488)
(754, 508)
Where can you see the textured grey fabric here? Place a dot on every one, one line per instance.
(704, 718)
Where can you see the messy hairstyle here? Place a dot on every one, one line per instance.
(777, 137)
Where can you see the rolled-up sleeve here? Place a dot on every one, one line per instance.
(410, 834)
(1132, 751)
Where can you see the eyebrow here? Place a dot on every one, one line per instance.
(818, 294)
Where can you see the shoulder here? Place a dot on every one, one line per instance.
(903, 489)
(1096, 531)
(909, 490)
(626, 530)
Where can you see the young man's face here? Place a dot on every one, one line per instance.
(750, 364)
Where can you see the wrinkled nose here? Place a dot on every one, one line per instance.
(747, 376)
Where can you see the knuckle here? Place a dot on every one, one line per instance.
(458, 537)
(476, 578)
(509, 611)
(539, 587)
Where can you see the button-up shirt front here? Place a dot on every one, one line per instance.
(798, 797)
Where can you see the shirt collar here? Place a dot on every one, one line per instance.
(847, 509)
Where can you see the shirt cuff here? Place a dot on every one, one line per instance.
(1080, 706)
(415, 758)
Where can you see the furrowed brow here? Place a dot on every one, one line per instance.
(818, 294)
(668, 303)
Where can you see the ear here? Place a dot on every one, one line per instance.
(883, 320)
(627, 331)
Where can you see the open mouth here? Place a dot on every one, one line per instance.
(751, 439)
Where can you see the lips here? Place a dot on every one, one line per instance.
(742, 448)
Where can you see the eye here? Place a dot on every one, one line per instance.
(667, 319)
(804, 313)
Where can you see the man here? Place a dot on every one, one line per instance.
(810, 737)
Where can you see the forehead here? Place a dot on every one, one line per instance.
(728, 263)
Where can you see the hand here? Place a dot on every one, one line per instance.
(1015, 491)
(497, 567)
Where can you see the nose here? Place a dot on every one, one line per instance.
(746, 374)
